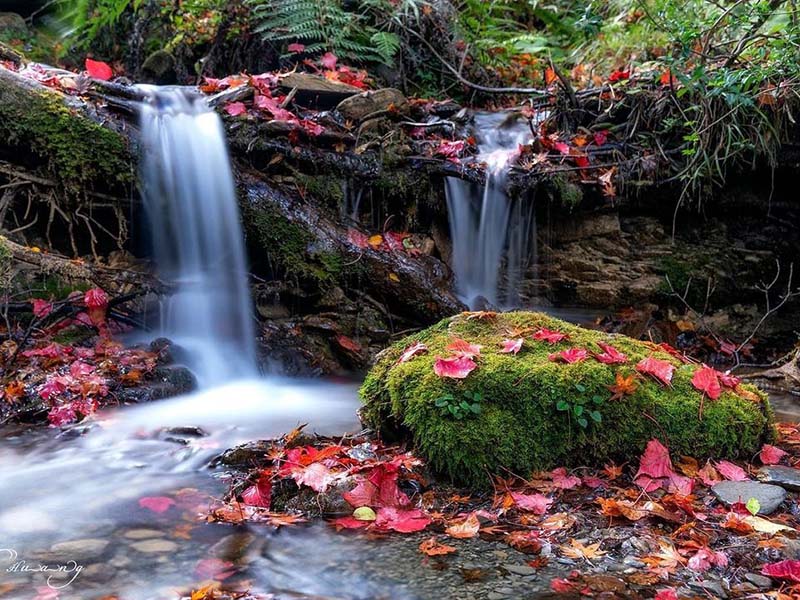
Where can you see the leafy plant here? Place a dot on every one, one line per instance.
(469, 404)
(326, 25)
(581, 407)
(88, 18)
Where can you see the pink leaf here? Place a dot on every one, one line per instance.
(660, 369)
(379, 489)
(358, 238)
(551, 337)
(705, 558)
(97, 69)
(563, 480)
(666, 594)
(728, 380)
(350, 523)
(454, 367)
(731, 471)
(80, 369)
(214, 568)
(788, 570)
(41, 308)
(570, 356)
(316, 476)
(464, 349)
(95, 298)
(535, 503)
(771, 455)
(294, 48)
(259, 494)
(705, 380)
(235, 109)
(600, 137)
(709, 475)
(561, 147)
(610, 355)
(329, 60)
(411, 351)
(158, 504)
(511, 346)
(451, 149)
(403, 521)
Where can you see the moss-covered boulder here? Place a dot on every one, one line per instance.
(517, 413)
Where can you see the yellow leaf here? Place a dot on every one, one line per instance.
(765, 526)
(375, 240)
(394, 277)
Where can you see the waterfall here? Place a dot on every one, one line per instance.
(190, 202)
(491, 234)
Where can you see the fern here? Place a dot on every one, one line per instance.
(88, 18)
(324, 25)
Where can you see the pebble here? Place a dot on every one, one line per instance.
(523, 570)
(712, 587)
(154, 546)
(786, 477)
(79, 550)
(759, 581)
(769, 497)
(143, 534)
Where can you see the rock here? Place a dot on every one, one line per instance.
(527, 420)
(356, 108)
(786, 477)
(154, 546)
(159, 68)
(98, 572)
(523, 570)
(12, 26)
(769, 497)
(761, 582)
(78, 550)
(317, 91)
(143, 534)
(710, 587)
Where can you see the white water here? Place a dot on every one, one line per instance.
(491, 235)
(194, 220)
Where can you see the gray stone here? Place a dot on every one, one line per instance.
(155, 546)
(711, 587)
(143, 534)
(356, 108)
(78, 550)
(769, 497)
(759, 581)
(786, 477)
(523, 570)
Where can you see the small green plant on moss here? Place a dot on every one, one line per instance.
(581, 407)
(469, 404)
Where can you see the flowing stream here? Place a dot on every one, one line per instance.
(72, 498)
(493, 237)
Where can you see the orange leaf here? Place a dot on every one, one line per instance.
(468, 528)
(431, 547)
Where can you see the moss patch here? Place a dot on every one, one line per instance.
(520, 429)
(78, 151)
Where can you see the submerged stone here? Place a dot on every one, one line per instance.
(534, 413)
(769, 497)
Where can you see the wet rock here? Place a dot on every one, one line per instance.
(78, 550)
(98, 572)
(356, 108)
(245, 456)
(143, 534)
(710, 587)
(523, 570)
(155, 546)
(786, 477)
(159, 68)
(769, 497)
(761, 582)
(317, 91)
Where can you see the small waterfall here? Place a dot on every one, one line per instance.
(491, 234)
(190, 202)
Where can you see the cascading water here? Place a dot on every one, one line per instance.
(491, 235)
(190, 201)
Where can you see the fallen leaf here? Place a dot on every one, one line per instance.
(401, 520)
(610, 355)
(577, 550)
(158, 504)
(431, 547)
(97, 69)
(706, 381)
(563, 480)
(570, 356)
(295, 48)
(551, 337)
(535, 503)
(660, 369)
(454, 367)
(468, 528)
(511, 346)
(235, 109)
(731, 471)
(464, 349)
(411, 351)
(771, 455)
(788, 570)
(259, 494)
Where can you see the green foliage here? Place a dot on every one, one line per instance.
(326, 25)
(530, 423)
(470, 404)
(581, 407)
(89, 18)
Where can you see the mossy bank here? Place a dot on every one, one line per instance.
(527, 417)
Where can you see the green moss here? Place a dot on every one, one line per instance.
(324, 189)
(569, 194)
(520, 430)
(291, 248)
(78, 151)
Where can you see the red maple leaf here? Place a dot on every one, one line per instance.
(454, 367)
(660, 369)
(97, 69)
(619, 76)
(771, 455)
(41, 308)
(570, 356)
(511, 346)
(788, 570)
(329, 60)
(259, 494)
(610, 355)
(294, 48)
(158, 504)
(535, 503)
(378, 489)
(563, 480)
(551, 337)
(411, 351)
(600, 137)
(464, 349)
(401, 520)
(731, 471)
(705, 380)
(235, 109)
